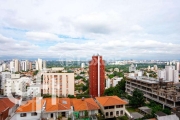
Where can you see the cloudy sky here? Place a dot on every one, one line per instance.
(116, 29)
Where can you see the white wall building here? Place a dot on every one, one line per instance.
(16, 65)
(15, 84)
(169, 72)
(82, 65)
(1, 68)
(4, 76)
(44, 64)
(116, 80)
(11, 66)
(132, 68)
(175, 76)
(162, 74)
(4, 66)
(40, 64)
(108, 83)
(177, 66)
(60, 84)
(114, 108)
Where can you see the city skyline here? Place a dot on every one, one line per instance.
(61, 29)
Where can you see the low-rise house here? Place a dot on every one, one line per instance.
(7, 108)
(86, 107)
(111, 106)
(57, 107)
(32, 110)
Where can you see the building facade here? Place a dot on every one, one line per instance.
(60, 84)
(163, 92)
(96, 76)
(111, 106)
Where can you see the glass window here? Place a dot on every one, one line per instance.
(111, 113)
(34, 114)
(107, 114)
(117, 112)
(23, 114)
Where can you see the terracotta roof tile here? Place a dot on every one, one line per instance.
(86, 104)
(60, 104)
(110, 100)
(5, 103)
(31, 106)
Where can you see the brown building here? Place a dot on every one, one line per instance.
(96, 76)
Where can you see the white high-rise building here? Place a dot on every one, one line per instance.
(176, 76)
(177, 66)
(82, 65)
(108, 83)
(16, 65)
(4, 66)
(25, 65)
(15, 85)
(162, 74)
(155, 67)
(40, 64)
(44, 64)
(36, 65)
(11, 66)
(1, 68)
(169, 72)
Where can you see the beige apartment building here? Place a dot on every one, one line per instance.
(59, 84)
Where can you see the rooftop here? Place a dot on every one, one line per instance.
(146, 79)
(31, 106)
(84, 104)
(55, 104)
(110, 100)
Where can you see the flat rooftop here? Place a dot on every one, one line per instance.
(146, 79)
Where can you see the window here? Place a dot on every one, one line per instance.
(105, 107)
(117, 113)
(111, 113)
(107, 114)
(119, 106)
(23, 114)
(34, 114)
(121, 112)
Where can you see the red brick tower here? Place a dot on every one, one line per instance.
(96, 76)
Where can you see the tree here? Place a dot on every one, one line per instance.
(109, 91)
(137, 99)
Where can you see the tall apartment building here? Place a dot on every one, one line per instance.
(96, 76)
(16, 65)
(177, 66)
(44, 64)
(4, 76)
(25, 65)
(60, 84)
(169, 74)
(14, 85)
(39, 64)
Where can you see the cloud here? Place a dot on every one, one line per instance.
(118, 29)
(42, 36)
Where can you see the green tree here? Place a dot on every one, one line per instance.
(109, 91)
(137, 99)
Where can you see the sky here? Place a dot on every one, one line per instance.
(78, 29)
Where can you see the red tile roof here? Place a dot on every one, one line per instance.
(110, 100)
(86, 104)
(5, 103)
(31, 106)
(60, 104)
